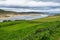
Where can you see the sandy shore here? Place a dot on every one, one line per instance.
(5, 16)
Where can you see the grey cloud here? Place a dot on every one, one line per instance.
(48, 0)
(2, 0)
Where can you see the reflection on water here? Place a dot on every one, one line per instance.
(25, 17)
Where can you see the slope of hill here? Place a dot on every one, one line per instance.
(3, 11)
(39, 29)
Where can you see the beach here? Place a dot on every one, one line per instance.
(13, 16)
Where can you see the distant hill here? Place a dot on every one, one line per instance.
(32, 12)
(3, 11)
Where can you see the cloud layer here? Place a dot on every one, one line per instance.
(28, 5)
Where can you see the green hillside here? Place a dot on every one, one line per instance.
(6, 12)
(39, 29)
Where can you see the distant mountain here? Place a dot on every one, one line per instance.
(3, 11)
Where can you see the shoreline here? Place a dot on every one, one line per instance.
(21, 16)
(5, 16)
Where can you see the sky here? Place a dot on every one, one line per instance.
(30, 5)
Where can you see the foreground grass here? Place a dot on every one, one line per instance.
(39, 29)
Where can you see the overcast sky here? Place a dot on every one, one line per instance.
(31, 3)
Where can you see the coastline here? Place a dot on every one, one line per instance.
(21, 16)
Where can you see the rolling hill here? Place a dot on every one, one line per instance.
(39, 29)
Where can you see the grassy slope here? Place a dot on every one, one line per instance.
(6, 12)
(39, 29)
